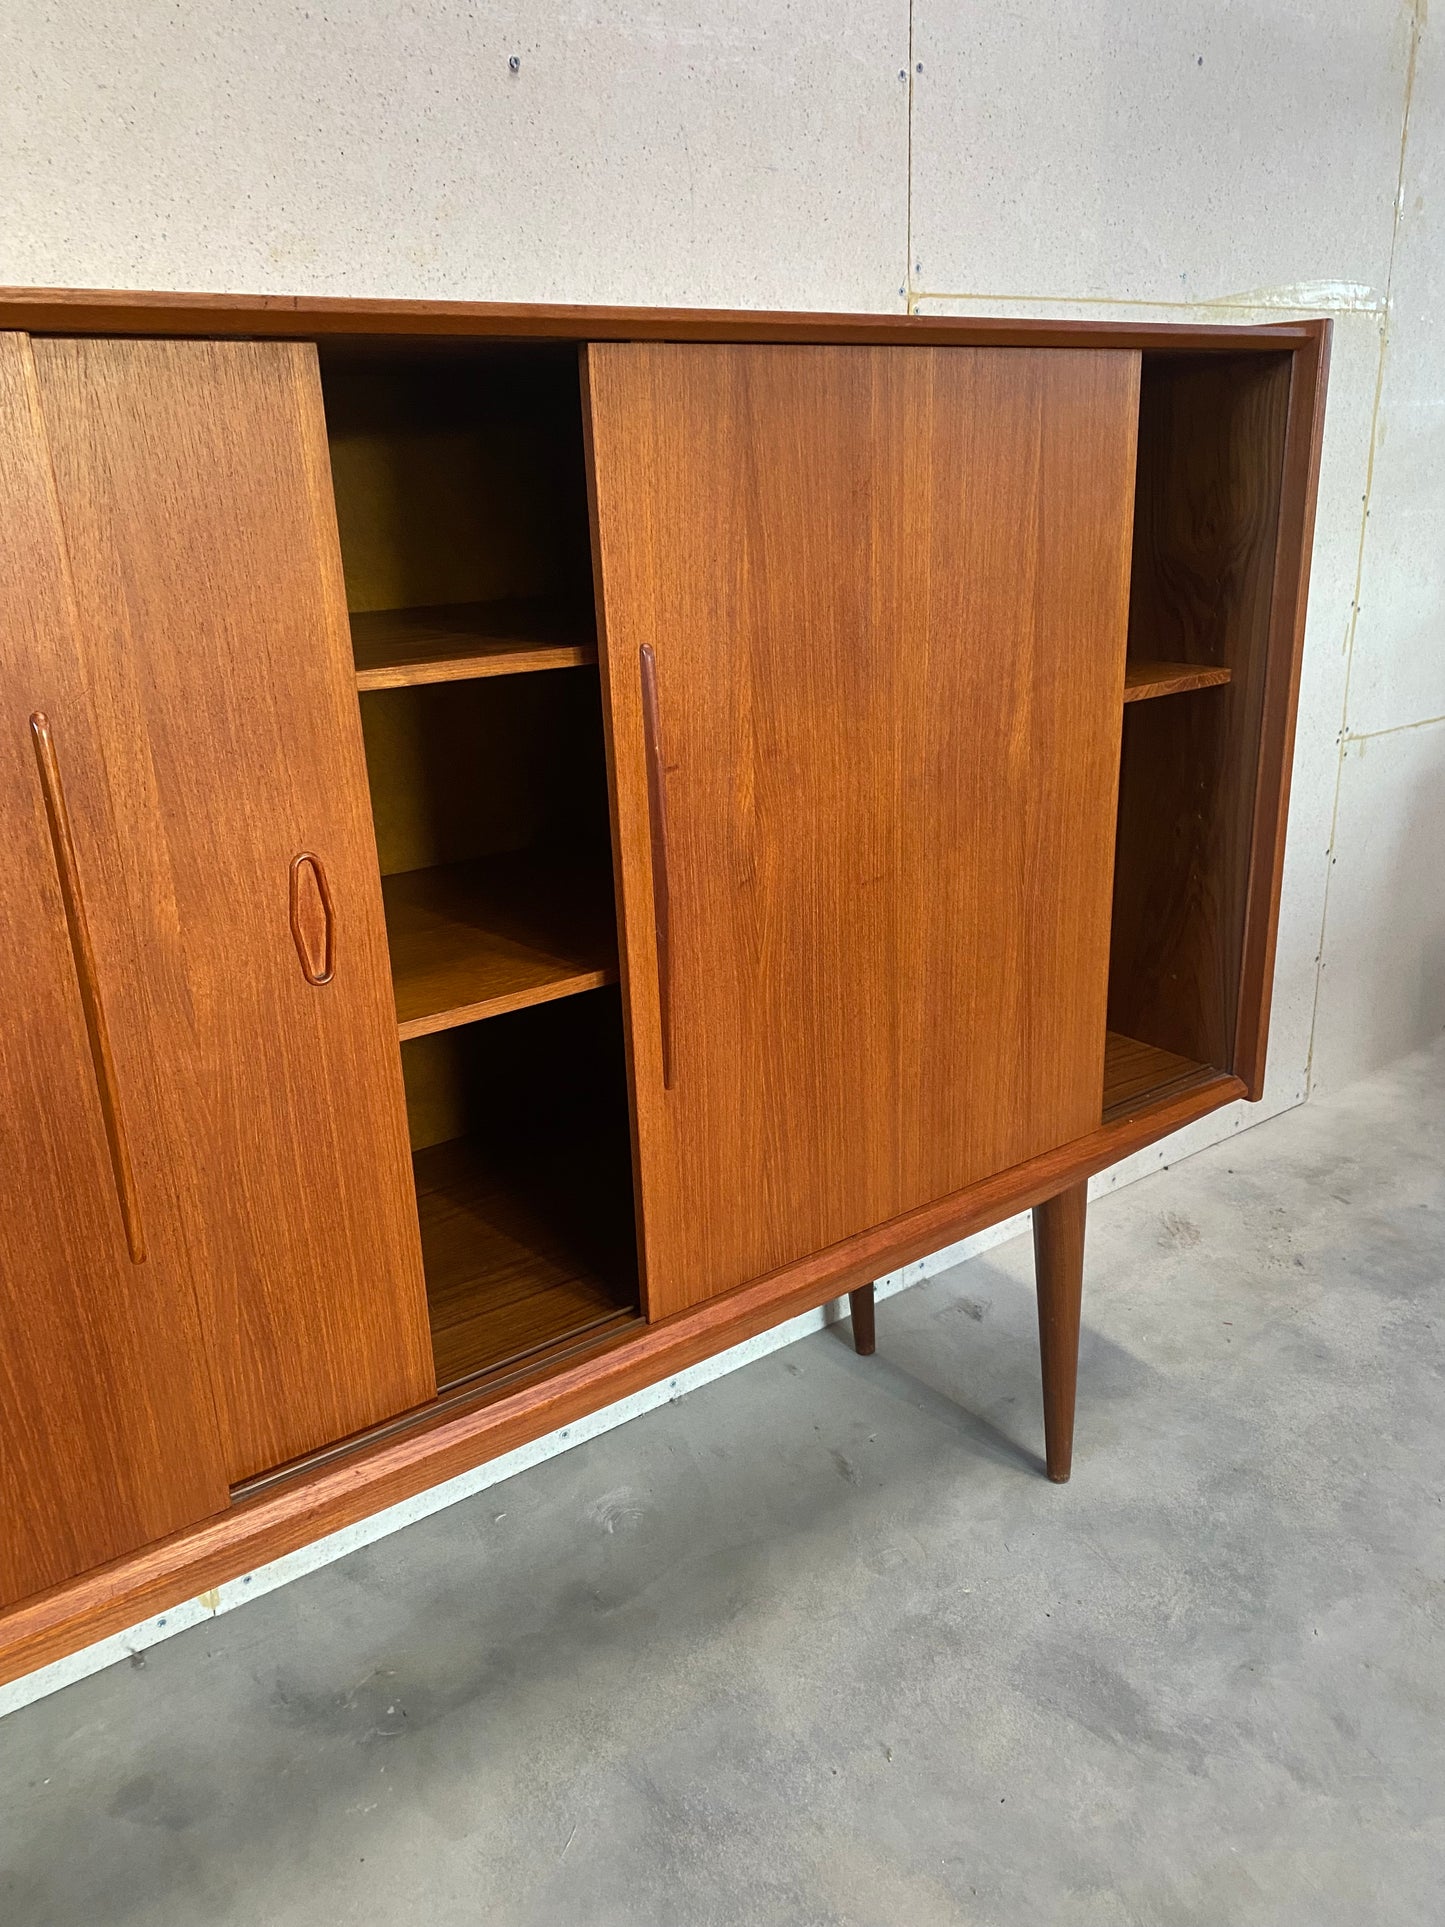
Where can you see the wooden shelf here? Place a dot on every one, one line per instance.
(1136, 1074)
(1145, 679)
(471, 940)
(524, 1260)
(455, 642)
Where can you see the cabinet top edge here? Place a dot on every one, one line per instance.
(136, 312)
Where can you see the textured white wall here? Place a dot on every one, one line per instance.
(1382, 985)
(747, 152)
(1223, 159)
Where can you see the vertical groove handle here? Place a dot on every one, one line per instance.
(657, 825)
(313, 924)
(84, 956)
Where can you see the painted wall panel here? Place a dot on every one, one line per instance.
(746, 153)
(1398, 670)
(1382, 989)
(1240, 149)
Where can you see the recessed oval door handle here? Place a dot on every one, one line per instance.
(312, 921)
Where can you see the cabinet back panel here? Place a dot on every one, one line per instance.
(1211, 453)
(193, 492)
(107, 1431)
(467, 769)
(458, 476)
(885, 596)
(532, 1078)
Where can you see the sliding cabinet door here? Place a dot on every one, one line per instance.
(223, 827)
(864, 616)
(107, 1434)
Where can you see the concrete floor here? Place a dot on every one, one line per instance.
(819, 1645)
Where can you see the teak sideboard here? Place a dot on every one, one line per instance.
(541, 842)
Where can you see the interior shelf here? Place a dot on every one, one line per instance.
(1137, 1074)
(461, 496)
(526, 1258)
(454, 642)
(475, 939)
(1145, 679)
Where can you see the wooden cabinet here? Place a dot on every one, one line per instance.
(543, 842)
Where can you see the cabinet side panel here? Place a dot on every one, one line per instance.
(1207, 513)
(863, 619)
(107, 1432)
(193, 488)
(1309, 379)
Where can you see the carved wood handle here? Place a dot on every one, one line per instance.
(657, 826)
(85, 974)
(313, 926)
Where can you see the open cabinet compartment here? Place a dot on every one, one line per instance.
(490, 804)
(523, 1161)
(461, 506)
(1206, 523)
(461, 500)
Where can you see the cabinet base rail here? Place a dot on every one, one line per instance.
(391, 1463)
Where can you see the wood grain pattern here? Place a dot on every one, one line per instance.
(470, 769)
(460, 1435)
(107, 1434)
(472, 940)
(1211, 447)
(1137, 1075)
(67, 870)
(458, 475)
(1299, 489)
(1144, 680)
(887, 599)
(1059, 1224)
(520, 1256)
(220, 674)
(131, 311)
(395, 648)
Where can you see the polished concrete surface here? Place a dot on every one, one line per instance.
(819, 1645)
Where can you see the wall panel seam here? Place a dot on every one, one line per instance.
(1344, 738)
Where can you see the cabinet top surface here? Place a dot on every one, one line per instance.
(131, 311)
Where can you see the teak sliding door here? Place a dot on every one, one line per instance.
(223, 841)
(107, 1435)
(864, 618)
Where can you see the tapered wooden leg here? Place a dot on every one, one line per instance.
(860, 1304)
(1059, 1277)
